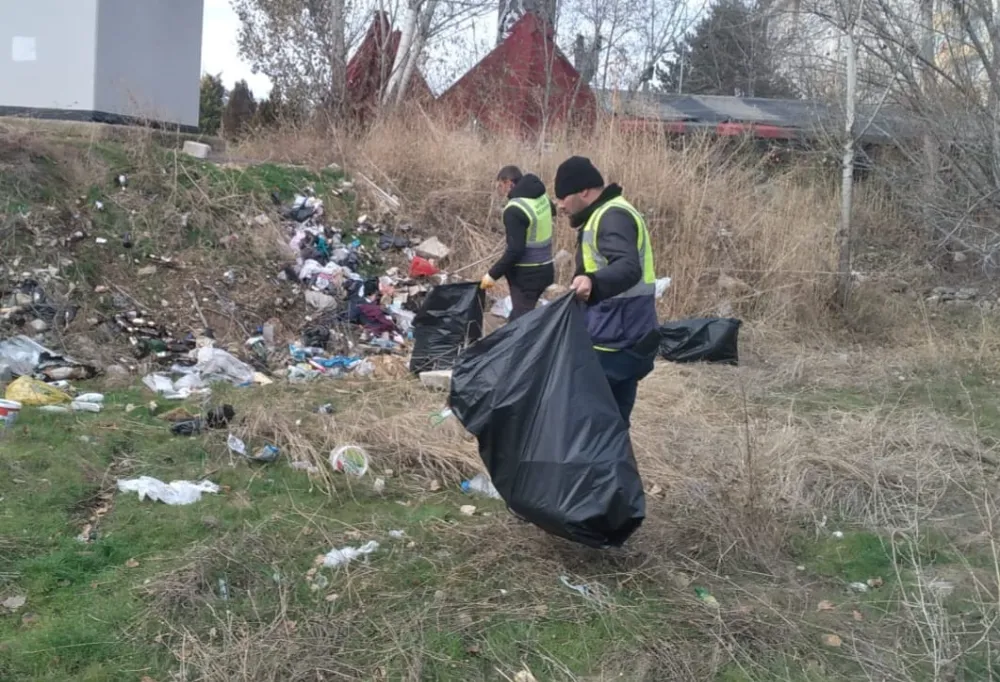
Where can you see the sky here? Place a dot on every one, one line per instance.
(444, 63)
(219, 53)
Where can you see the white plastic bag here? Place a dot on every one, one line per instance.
(173, 493)
(215, 364)
(340, 557)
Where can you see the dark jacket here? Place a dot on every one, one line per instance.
(616, 323)
(516, 225)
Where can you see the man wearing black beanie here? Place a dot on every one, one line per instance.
(614, 276)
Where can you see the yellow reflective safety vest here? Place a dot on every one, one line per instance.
(538, 245)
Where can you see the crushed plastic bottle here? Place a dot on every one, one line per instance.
(482, 485)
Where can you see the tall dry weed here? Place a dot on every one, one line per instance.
(732, 234)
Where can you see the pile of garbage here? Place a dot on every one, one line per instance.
(354, 314)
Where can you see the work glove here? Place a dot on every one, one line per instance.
(487, 282)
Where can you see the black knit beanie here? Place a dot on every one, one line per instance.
(576, 174)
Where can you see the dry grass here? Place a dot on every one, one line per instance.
(712, 210)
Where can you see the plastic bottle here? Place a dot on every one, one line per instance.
(481, 485)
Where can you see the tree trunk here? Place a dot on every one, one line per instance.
(338, 52)
(932, 157)
(416, 49)
(847, 171)
(406, 40)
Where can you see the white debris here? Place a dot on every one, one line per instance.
(433, 248)
(173, 493)
(662, 285)
(439, 379)
(198, 150)
(341, 557)
(320, 301)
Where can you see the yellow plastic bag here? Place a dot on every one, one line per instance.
(28, 391)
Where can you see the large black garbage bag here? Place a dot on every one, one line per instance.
(450, 318)
(549, 430)
(710, 339)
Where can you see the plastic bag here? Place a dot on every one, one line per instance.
(710, 339)
(549, 430)
(173, 493)
(215, 364)
(28, 391)
(451, 317)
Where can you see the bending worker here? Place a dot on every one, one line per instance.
(527, 260)
(614, 276)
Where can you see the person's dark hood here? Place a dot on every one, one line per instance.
(610, 192)
(528, 187)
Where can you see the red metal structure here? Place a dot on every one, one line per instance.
(524, 85)
(368, 70)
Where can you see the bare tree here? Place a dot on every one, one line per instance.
(301, 45)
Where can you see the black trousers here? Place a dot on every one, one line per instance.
(527, 284)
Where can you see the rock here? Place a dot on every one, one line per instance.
(433, 248)
(934, 299)
(439, 380)
(334, 168)
(100, 289)
(38, 326)
(147, 271)
(262, 220)
(6, 375)
(966, 294)
(116, 375)
(198, 150)
(320, 301)
(959, 257)
(732, 284)
(22, 299)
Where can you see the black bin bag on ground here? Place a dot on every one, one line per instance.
(450, 318)
(709, 339)
(549, 430)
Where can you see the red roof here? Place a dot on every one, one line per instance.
(507, 90)
(368, 70)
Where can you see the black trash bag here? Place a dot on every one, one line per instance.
(710, 339)
(450, 318)
(550, 432)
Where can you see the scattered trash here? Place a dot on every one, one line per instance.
(219, 417)
(590, 591)
(343, 556)
(662, 285)
(858, 587)
(132, 563)
(34, 393)
(325, 409)
(223, 589)
(825, 606)
(397, 534)
(379, 485)
(191, 427)
(706, 597)
(831, 641)
(266, 455)
(305, 466)
(481, 484)
(875, 582)
(173, 493)
(712, 340)
(350, 459)
(421, 267)
(14, 603)
(857, 616)
(838, 534)
(182, 389)
(9, 410)
(524, 676)
(468, 509)
(236, 446)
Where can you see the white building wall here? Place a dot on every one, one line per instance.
(47, 54)
(149, 59)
